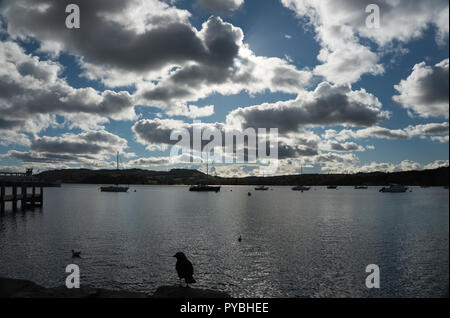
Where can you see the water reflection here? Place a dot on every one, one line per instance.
(311, 244)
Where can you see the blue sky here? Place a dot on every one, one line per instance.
(54, 122)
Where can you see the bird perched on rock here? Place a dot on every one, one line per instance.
(184, 269)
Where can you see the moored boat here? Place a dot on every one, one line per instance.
(115, 188)
(204, 188)
(262, 188)
(332, 187)
(301, 188)
(361, 187)
(394, 188)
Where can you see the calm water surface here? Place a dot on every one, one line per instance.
(312, 244)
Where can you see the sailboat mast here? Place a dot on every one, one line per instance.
(117, 160)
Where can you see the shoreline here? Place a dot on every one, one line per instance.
(19, 288)
(435, 177)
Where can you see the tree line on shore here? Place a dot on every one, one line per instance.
(435, 177)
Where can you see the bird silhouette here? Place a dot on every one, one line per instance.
(240, 238)
(184, 269)
(76, 254)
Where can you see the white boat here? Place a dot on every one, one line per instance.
(394, 188)
(262, 188)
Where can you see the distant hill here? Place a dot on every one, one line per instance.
(132, 176)
(436, 177)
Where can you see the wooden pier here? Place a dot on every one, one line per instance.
(24, 189)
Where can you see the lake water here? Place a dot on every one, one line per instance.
(311, 244)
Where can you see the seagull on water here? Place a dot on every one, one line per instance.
(76, 254)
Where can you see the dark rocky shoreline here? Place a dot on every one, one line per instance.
(17, 288)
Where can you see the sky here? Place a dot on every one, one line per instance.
(346, 96)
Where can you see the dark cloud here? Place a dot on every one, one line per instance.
(287, 151)
(426, 90)
(166, 94)
(31, 157)
(327, 105)
(335, 158)
(222, 42)
(103, 40)
(387, 133)
(62, 99)
(9, 88)
(58, 145)
(30, 68)
(119, 44)
(90, 148)
(285, 76)
(10, 124)
(435, 86)
(429, 129)
(345, 147)
(31, 93)
(91, 143)
(158, 132)
(437, 130)
(102, 137)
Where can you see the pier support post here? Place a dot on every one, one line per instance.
(33, 195)
(14, 197)
(23, 203)
(2, 198)
(42, 196)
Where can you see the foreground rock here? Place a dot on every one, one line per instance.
(16, 288)
(183, 292)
